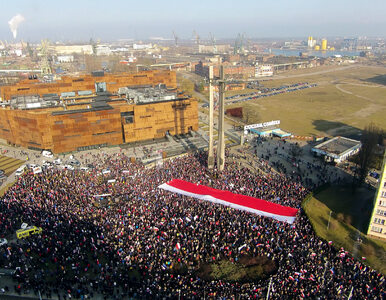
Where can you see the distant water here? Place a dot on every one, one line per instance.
(286, 52)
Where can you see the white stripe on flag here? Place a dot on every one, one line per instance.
(283, 218)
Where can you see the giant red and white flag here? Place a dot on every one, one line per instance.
(237, 201)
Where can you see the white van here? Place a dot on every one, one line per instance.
(20, 170)
(48, 154)
(37, 169)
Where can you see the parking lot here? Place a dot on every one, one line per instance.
(267, 92)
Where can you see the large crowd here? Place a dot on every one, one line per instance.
(274, 154)
(127, 247)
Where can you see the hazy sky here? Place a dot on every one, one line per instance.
(115, 19)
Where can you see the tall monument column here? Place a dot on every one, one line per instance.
(221, 112)
(211, 124)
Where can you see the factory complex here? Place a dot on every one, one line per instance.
(78, 113)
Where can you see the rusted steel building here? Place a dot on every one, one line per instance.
(93, 111)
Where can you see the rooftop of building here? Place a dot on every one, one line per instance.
(148, 94)
(65, 104)
(265, 129)
(338, 145)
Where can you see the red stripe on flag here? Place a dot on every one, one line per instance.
(255, 205)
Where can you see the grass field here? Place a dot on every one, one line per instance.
(349, 220)
(343, 103)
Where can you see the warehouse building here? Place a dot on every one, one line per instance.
(94, 111)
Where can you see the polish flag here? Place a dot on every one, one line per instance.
(237, 201)
(178, 246)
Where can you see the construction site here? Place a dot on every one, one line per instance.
(97, 110)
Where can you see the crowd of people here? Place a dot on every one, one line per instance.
(147, 243)
(312, 172)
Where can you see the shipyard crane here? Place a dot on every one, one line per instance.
(175, 38)
(213, 41)
(196, 37)
(247, 41)
(238, 47)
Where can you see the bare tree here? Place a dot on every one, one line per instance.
(250, 114)
(370, 138)
(295, 151)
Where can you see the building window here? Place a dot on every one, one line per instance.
(128, 117)
(102, 133)
(383, 194)
(376, 229)
(381, 212)
(379, 221)
(382, 203)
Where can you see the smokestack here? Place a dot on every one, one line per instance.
(14, 24)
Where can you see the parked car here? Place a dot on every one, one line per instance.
(20, 170)
(25, 232)
(47, 165)
(75, 162)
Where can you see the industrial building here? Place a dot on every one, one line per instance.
(324, 45)
(78, 113)
(311, 42)
(214, 48)
(71, 49)
(337, 149)
(264, 70)
(377, 225)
